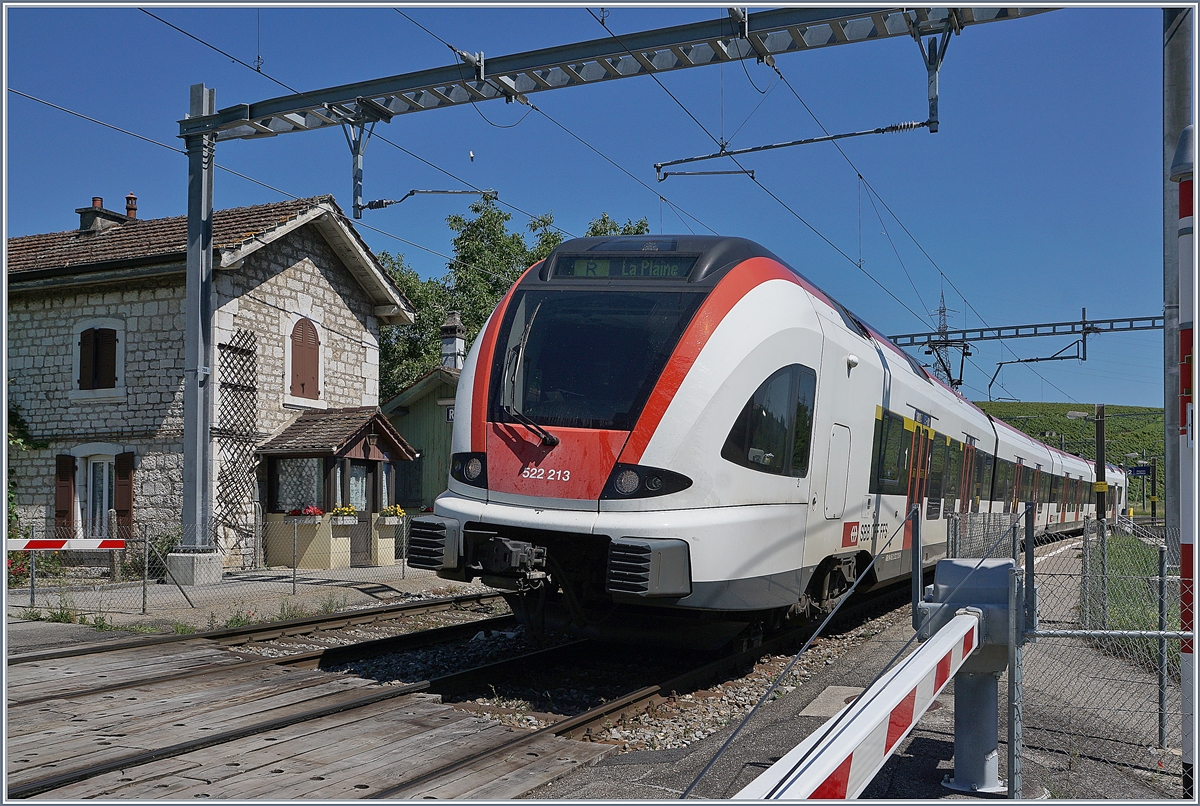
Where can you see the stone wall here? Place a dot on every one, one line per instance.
(144, 414)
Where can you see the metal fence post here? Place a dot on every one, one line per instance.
(1015, 659)
(1030, 588)
(1102, 544)
(1085, 589)
(294, 530)
(1162, 647)
(32, 576)
(145, 567)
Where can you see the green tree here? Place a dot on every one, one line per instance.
(488, 259)
(604, 225)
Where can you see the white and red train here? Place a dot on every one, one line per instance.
(683, 434)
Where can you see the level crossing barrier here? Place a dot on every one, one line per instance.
(839, 762)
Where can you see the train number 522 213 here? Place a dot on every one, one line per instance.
(545, 473)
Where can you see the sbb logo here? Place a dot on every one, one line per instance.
(850, 534)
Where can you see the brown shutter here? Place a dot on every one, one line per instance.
(306, 348)
(106, 358)
(123, 496)
(87, 354)
(64, 495)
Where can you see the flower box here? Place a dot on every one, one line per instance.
(302, 519)
(344, 520)
(391, 520)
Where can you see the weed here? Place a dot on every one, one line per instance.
(332, 603)
(240, 619)
(101, 623)
(30, 614)
(146, 629)
(65, 612)
(180, 628)
(212, 621)
(289, 611)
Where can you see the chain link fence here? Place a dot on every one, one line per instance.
(1101, 712)
(168, 577)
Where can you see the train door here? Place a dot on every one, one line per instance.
(966, 487)
(918, 478)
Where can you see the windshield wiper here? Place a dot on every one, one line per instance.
(509, 385)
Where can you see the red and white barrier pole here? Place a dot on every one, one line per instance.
(838, 763)
(1181, 172)
(74, 544)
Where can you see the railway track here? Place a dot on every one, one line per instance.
(235, 636)
(365, 698)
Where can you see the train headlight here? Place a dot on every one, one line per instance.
(636, 481)
(627, 482)
(469, 468)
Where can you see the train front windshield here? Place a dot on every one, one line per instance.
(585, 358)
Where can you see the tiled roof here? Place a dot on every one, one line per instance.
(330, 431)
(147, 238)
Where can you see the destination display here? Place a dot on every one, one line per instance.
(625, 267)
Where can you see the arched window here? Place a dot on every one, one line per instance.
(306, 359)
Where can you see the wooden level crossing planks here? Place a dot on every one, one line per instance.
(351, 755)
(42, 678)
(85, 732)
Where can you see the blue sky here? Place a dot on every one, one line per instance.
(1040, 195)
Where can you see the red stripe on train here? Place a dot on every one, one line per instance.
(728, 292)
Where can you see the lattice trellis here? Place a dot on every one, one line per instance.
(237, 435)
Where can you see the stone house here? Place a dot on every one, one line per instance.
(95, 357)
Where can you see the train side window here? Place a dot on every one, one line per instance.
(1055, 490)
(773, 432)
(954, 459)
(984, 464)
(937, 470)
(891, 455)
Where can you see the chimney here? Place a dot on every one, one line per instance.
(454, 348)
(131, 206)
(96, 218)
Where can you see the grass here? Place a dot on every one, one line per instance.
(1132, 602)
(30, 614)
(182, 628)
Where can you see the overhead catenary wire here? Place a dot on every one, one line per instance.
(295, 91)
(260, 183)
(758, 182)
(678, 210)
(913, 238)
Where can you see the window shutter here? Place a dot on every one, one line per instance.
(87, 354)
(106, 358)
(123, 495)
(305, 360)
(64, 495)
